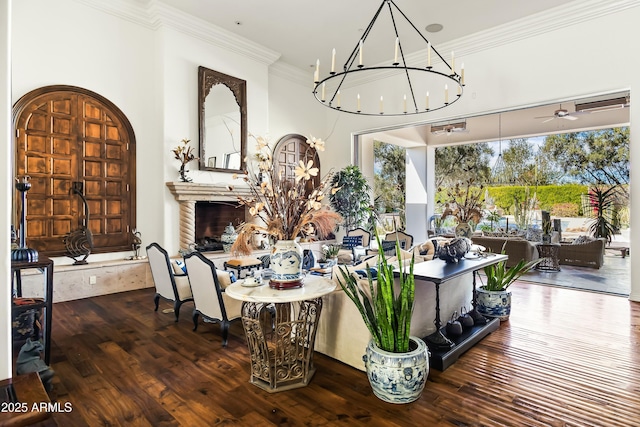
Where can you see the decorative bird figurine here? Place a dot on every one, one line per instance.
(79, 243)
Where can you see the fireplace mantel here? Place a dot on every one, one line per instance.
(188, 193)
(199, 192)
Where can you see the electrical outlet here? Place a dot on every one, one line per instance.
(92, 280)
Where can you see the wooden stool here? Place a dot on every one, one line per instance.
(24, 391)
(243, 264)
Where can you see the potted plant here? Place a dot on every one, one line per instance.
(397, 363)
(329, 255)
(494, 298)
(352, 200)
(603, 203)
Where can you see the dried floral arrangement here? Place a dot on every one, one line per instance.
(184, 153)
(284, 207)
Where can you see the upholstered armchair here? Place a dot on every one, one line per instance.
(169, 285)
(208, 286)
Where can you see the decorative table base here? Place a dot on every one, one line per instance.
(281, 342)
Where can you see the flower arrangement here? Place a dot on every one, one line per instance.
(284, 206)
(184, 153)
(330, 251)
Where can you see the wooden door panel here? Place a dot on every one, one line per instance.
(70, 137)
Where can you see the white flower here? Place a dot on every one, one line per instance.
(305, 171)
(316, 143)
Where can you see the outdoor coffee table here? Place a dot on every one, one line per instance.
(548, 253)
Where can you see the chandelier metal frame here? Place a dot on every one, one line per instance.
(449, 75)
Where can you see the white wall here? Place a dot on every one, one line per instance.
(6, 189)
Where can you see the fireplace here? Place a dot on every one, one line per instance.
(205, 209)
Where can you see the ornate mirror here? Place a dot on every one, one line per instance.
(222, 103)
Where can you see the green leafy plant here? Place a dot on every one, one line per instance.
(352, 200)
(603, 203)
(330, 251)
(386, 314)
(499, 277)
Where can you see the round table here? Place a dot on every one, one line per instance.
(280, 326)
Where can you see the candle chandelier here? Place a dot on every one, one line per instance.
(426, 84)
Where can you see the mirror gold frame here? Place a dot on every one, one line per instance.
(222, 118)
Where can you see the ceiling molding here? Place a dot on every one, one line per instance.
(155, 15)
(291, 73)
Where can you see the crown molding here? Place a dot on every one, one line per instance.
(156, 15)
(291, 73)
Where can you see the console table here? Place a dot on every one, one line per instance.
(445, 351)
(45, 265)
(280, 326)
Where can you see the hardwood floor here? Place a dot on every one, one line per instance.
(565, 358)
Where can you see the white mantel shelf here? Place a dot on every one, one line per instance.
(193, 191)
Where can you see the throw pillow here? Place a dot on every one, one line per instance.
(179, 267)
(582, 239)
(533, 235)
(350, 242)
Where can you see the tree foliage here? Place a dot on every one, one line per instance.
(390, 178)
(463, 162)
(595, 157)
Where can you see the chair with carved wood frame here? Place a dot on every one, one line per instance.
(352, 254)
(405, 240)
(211, 301)
(169, 285)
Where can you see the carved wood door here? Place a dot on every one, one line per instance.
(70, 138)
(292, 148)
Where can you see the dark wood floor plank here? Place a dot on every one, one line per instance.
(565, 358)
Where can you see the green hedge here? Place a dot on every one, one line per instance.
(548, 196)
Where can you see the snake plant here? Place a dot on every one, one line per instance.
(499, 277)
(387, 314)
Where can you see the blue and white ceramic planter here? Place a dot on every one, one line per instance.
(494, 303)
(397, 377)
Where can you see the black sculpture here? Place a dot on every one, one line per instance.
(455, 250)
(79, 243)
(23, 253)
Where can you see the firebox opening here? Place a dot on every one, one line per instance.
(211, 220)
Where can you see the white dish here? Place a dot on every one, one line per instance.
(252, 284)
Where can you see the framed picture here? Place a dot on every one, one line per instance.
(211, 162)
(232, 160)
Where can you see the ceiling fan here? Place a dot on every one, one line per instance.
(561, 113)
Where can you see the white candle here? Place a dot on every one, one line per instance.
(323, 97)
(429, 54)
(381, 107)
(395, 56)
(446, 94)
(333, 61)
(338, 99)
(359, 102)
(453, 63)
(360, 44)
(404, 103)
(462, 74)
(427, 102)
(316, 75)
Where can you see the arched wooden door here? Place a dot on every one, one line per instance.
(70, 137)
(292, 148)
